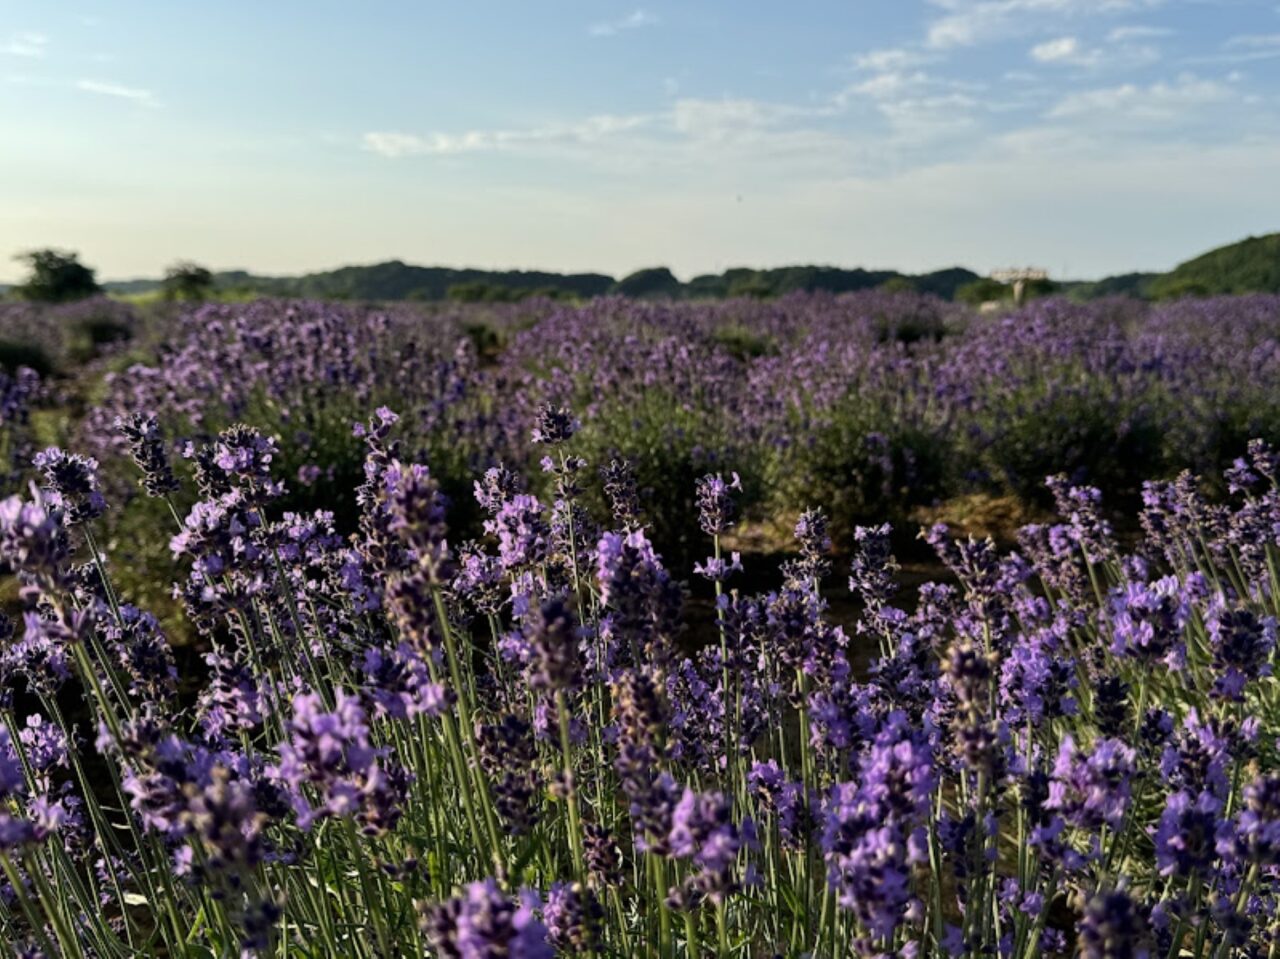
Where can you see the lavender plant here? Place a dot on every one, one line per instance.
(514, 746)
(871, 404)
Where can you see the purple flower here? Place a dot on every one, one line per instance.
(398, 683)
(703, 831)
(572, 914)
(787, 801)
(521, 530)
(143, 652)
(13, 781)
(147, 447)
(1038, 679)
(40, 659)
(33, 540)
(873, 833)
(1199, 757)
(1081, 506)
(641, 600)
(483, 923)
(478, 580)
(553, 636)
(239, 459)
(811, 532)
(509, 757)
(496, 487)
(222, 815)
(1114, 926)
(716, 508)
(1092, 789)
(553, 425)
(1147, 620)
(244, 457)
(71, 482)
(329, 755)
(872, 569)
(220, 536)
(416, 512)
(719, 570)
(1255, 834)
(234, 699)
(618, 478)
(1242, 643)
(640, 711)
(1186, 834)
(45, 745)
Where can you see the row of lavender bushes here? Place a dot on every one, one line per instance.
(871, 404)
(408, 745)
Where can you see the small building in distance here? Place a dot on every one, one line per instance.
(1018, 278)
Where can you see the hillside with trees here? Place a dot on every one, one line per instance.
(1249, 266)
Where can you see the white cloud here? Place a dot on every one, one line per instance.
(1137, 32)
(716, 118)
(136, 94)
(637, 18)
(883, 86)
(883, 61)
(969, 22)
(1069, 51)
(893, 76)
(25, 45)
(1061, 50)
(1244, 48)
(887, 119)
(1254, 41)
(395, 144)
(1157, 102)
(918, 120)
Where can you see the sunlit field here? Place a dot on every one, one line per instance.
(822, 625)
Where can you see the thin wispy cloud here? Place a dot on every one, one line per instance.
(119, 91)
(921, 112)
(1243, 48)
(25, 45)
(395, 144)
(632, 21)
(1116, 54)
(971, 22)
(1163, 101)
(892, 58)
(1137, 32)
(1254, 41)
(1061, 50)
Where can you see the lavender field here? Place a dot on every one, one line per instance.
(545, 629)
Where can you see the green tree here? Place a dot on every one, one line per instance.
(897, 284)
(982, 291)
(653, 282)
(478, 291)
(56, 276)
(187, 281)
(752, 285)
(1033, 289)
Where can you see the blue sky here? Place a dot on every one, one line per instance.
(1085, 136)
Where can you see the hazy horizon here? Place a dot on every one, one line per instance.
(683, 276)
(1088, 137)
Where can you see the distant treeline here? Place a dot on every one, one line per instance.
(396, 280)
(1252, 265)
